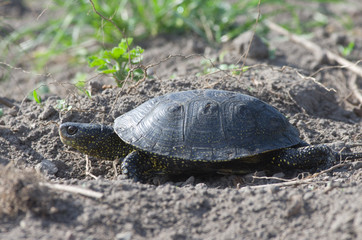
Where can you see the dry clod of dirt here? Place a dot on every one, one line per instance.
(20, 192)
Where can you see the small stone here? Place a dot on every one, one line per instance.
(247, 191)
(48, 111)
(69, 236)
(123, 236)
(14, 111)
(47, 167)
(23, 224)
(258, 49)
(279, 175)
(357, 165)
(250, 177)
(95, 87)
(189, 181)
(201, 186)
(295, 206)
(273, 189)
(309, 195)
(339, 39)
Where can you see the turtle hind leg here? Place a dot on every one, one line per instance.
(137, 166)
(308, 157)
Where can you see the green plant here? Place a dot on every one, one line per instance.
(209, 68)
(41, 88)
(119, 62)
(63, 105)
(73, 28)
(318, 17)
(345, 51)
(36, 97)
(79, 82)
(1, 112)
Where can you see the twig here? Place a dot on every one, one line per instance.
(274, 178)
(5, 102)
(284, 184)
(333, 167)
(24, 71)
(105, 18)
(73, 189)
(299, 181)
(315, 48)
(251, 40)
(42, 12)
(88, 168)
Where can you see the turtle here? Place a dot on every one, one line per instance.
(200, 131)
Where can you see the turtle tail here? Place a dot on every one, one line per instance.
(310, 157)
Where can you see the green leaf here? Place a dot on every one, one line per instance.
(92, 58)
(107, 55)
(116, 61)
(95, 61)
(245, 68)
(102, 68)
(88, 93)
(1, 112)
(117, 52)
(62, 105)
(125, 44)
(36, 97)
(346, 50)
(79, 81)
(224, 67)
(109, 71)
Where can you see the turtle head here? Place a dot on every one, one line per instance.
(93, 139)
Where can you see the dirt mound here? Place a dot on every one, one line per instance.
(200, 207)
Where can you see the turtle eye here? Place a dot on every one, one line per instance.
(71, 130)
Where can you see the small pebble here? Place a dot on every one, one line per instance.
(357, 165)
(48, 111)
(47, 167)
(189, 181)
(123, 236)
(258, 49)
(279, 175)
(95, 87)
(201, 186)
(13, 111)
(273, 189)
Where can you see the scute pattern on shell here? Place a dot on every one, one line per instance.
(211, 125)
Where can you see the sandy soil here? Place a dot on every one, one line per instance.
(323, 205)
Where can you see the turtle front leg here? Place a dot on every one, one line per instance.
(308, 157)
(136, 166)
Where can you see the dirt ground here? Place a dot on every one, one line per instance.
(41, 180)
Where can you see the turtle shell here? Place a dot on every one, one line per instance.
(209, 125)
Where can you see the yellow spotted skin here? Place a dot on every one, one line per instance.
(200, 131)
(93, 139)
(139, 165)
(102, 142)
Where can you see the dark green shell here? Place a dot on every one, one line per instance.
(210, 125)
